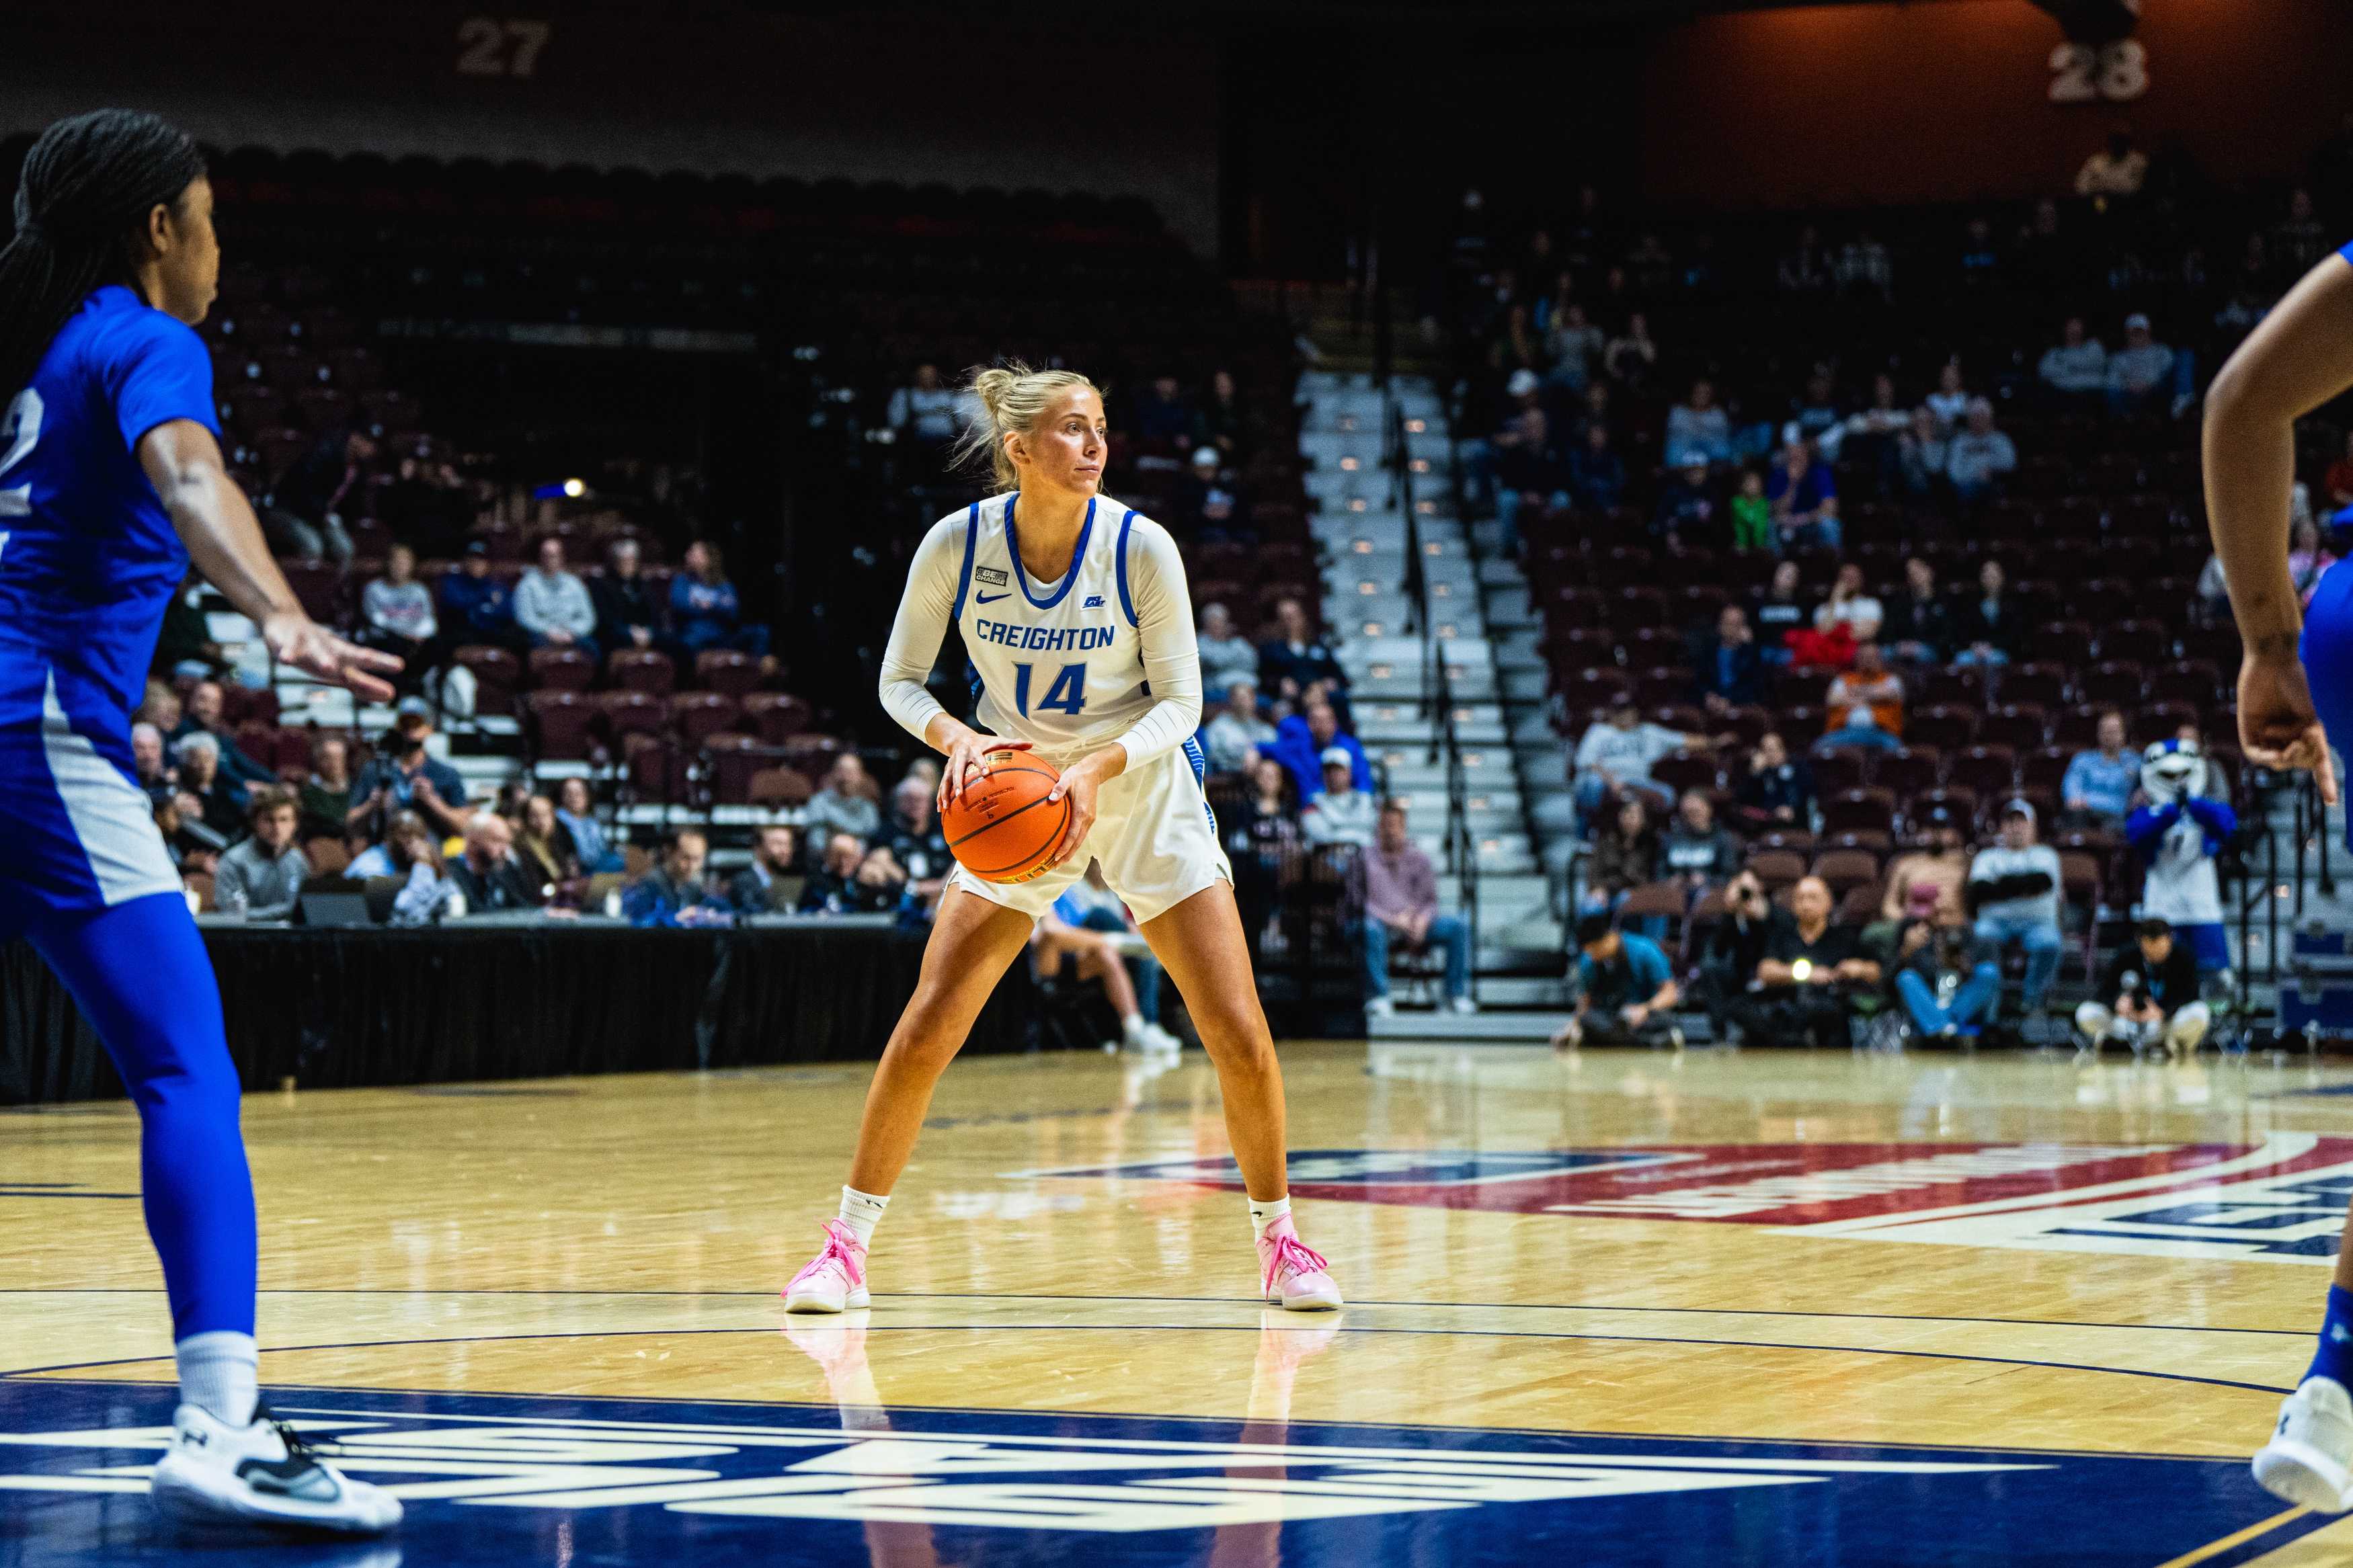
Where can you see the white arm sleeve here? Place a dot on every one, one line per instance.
(921, 627)
(1172, 658)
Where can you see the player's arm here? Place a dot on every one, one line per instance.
(214, 520)
(2297, 358)
(916, 633)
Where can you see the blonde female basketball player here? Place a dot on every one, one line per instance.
(1075, 611)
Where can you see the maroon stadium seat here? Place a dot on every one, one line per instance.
(699, 713)
(729, 759)
(1988, 769)
(2018, 725)
(1873, 809)
(775, 716)
(559, 720)
(641, 669)
(728, 673)
(1946, 728)
(628, 713)
(1905, 772)
(780, 786)
(654, 766)
(562, 669)
(497, 673)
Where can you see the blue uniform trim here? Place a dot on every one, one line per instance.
(1201, 766)
(1078, 555)
(1125, 603)
(2326, 650)
(971, 543)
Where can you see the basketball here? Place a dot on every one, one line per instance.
(1003, 830)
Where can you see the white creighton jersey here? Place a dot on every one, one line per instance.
(1106, 654)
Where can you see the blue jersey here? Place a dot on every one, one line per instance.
(87, 560)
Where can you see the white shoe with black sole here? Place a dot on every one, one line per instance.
(2309, 1459)
(262, 1473)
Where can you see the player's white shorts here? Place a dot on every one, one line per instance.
(1154, 833)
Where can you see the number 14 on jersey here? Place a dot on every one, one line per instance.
(1068, 694)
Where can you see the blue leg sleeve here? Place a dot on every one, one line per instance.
(141, 975)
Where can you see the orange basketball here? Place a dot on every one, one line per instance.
(1003, 830)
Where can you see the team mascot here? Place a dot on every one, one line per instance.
(2177, 832)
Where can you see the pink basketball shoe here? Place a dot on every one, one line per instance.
(1291, 1274)
(835, 1279)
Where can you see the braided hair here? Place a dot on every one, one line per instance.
(87, 185)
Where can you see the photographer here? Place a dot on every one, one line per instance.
(2154, 983)
(1806, 980)
(404, 776)
(1735, 946)
(1625, 987)
(1944, 986)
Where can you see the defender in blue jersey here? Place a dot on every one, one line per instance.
(110, 483)
(2296, 697)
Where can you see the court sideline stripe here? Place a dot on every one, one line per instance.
(35, 1372)
(2236, 1538)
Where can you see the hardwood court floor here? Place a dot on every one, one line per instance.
(1716, 1307)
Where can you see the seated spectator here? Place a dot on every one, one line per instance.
(2117, 169)
(1296, 661)
(1482, 455)
(1729, 669)
(476, 606)
(854, 879)
(1803, 497)
(576, 807)
(262, 876)
(1165, 417)
(1863, 269)
(1918, 626)
(1990, 624)
(485, 873)
(2307, 558)
(1752, 515)
(384, 858)
(1262, 841)
(676, 891)
(703, 608)
(1779, 612)
(1735, 945)
(183, 642)
(1596, 479)
(1805, 270)
(1815, 417)
(1699, 425)
(1089, 904)
(1226, 418)
(404, 776)
(915, 839)
(1098, 959)
(1302, 741)
(1616, 754)
(1950, 401)
(1922, 457)
(545, 849)
(326, 800)
(1865, 704)
(552, 605)
(156, 778)
(2075, 368)
(1945, 986)
(845, 806)
(1226, 655)
(408, 852)
(2097, 789)
(1575, 344)
(206, 793)
(1927, 884)
(1697, 850)
(1777, 790)
(1850, 606)
(1625, 991)
(1805, 984)
(399, 611)
(1402, 911)
(1979, 457)
(1531, 472)
(630, 614)
(772, 884)
(1870, 436)
(204, 718)
(1234, 736)
(923, 413)
(1686, 512)
(1625, 857)
(311, 499)
(2140, 373)
(2149, 993)
(1340, 813)
(2013, 896)
(1633, 353)
(1209, 502)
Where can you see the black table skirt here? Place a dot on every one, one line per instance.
(342, 1008)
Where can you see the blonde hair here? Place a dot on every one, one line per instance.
(1012, 396)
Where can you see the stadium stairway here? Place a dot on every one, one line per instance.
(1360, 526)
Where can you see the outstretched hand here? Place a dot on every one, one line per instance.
(2277, 725)
(310, 648)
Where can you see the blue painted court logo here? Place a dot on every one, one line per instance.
(496, 1481)
(1363, 1168)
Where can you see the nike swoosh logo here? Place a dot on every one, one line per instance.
(992, 598)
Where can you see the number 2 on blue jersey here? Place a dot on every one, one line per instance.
(1068, 694)
(20, 430)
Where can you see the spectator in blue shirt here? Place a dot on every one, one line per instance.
(1301, 740)
(1729, 670)
(1625, 987)
(1804, 499)
(1597, 478)
(2099, 784)
(704, 609)
(476, 606)
(676, 892)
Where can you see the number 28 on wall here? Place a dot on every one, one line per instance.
(2112, 73)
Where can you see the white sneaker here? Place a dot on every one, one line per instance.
(262, 1472)
(2309, 1459)
(1464, 1005)
(1155, 1038)
(1378, 1007)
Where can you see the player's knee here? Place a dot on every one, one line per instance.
(2188, 1025)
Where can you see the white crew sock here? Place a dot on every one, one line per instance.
(1265, 1214)
(862, 1212)
(1132, 1026)
(220, 1373)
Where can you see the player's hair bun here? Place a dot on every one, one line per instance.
(1011, 397)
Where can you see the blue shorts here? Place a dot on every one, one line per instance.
(79, 832)
(2327, 654)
